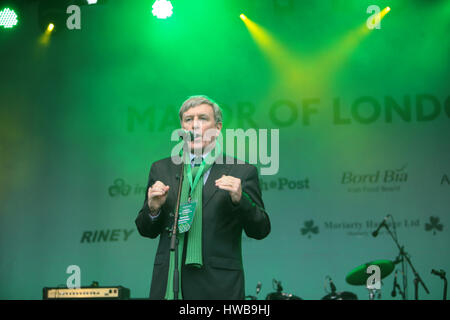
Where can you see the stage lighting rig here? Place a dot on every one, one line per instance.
(8, 18)
(162, 9)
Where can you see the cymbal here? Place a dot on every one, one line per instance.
(359, 275)
(344, 295)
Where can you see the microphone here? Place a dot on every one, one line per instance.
(440, 273)
(258, 287)
(278, 284)
(186, 135)
(394, 289)
(382, 224)
(332, 286)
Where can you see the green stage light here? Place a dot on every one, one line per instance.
(8, 18)
(162, 9)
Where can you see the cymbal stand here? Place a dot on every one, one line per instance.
(374, 293)
(404, 256)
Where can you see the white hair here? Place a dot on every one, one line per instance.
(194, 101)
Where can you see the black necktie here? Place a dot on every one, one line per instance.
(196, 162)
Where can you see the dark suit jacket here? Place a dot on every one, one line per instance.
(222, 274)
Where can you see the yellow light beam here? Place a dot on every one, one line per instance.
(313, 74)
(44, 39)
(335, 55)
(284, 60)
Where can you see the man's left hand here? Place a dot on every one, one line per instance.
(232, 185)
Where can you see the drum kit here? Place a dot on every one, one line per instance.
(356, 277)
(370, 275)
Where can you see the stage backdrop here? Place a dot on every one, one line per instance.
(363, 120)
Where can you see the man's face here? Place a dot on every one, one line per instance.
(200, 120)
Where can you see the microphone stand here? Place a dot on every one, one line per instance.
(417, 278)
(174, 239)
(445, 289)
(441, 275)
(397, 287)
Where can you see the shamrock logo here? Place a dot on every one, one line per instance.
(309, 228)
(119, 188)
(434, 225)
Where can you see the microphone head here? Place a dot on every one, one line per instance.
(381, 225)
(186, 135)
(440, 273)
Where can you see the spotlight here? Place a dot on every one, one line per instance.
(162, 9)
(243, 16)
(384, 12)
(8, 18)
(88, 2)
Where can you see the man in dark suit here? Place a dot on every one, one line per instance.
(229, 202)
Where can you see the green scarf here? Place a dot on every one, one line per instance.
(194, 245)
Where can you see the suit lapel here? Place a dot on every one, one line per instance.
(217, 170)
(209, 189)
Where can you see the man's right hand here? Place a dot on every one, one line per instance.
(157, 195)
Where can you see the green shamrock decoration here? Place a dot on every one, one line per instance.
(434, 225)
(309, 228)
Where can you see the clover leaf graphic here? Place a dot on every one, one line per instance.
(434, 225)
(309, 228)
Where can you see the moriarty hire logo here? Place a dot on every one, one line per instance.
(365, 228)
